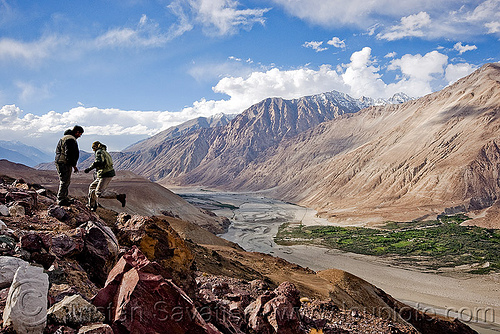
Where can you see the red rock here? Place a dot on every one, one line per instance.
(64, 245)
(32, 242)
(137, 299)
(100, 251)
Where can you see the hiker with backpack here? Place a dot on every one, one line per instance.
(103, 163)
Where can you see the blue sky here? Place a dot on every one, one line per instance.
(128, 69)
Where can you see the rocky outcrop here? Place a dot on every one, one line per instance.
(142, 296)
(140, 300)
(100, 250)
(160, 243)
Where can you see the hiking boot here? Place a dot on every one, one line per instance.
(122, 199)
(65, 202)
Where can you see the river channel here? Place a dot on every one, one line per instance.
(256, 219)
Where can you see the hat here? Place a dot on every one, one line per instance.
(96, 145)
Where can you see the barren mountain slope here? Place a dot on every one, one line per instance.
(143, 196)
(395, 162)
(220, 153)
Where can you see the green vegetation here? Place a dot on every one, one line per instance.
(429, 244)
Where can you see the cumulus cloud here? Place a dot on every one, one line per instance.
(456, 71)
(416, 75)
(337, 42)
(410, 26)
(450, 19)
(121, 127)
(464, 48)
(419, 72)
(315, 45)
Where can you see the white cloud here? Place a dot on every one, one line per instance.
(362, 76)
(390, 55)
(30, 52)
(337, 42)
(464, 48)
(315, 45)
(456, 71)
(359, 13)
(420, 67)
(218, 17)
(410, 26)
(419, 75)
(450, 18)
(493, 27)
(146, 34)
(31, 92)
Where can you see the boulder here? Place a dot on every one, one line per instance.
(96, 329)
(4, 210)
(8, 268)
(74, 311)
(7, 245)
(138, 299)
(32, 242)
(100, 251)
(63, 245)
(276, 312)
(160, 243)
(17, 210)
(26, 306)
(58, 212)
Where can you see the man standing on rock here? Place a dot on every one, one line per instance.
(67, 155)
(105, 172)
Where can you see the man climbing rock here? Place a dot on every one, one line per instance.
(103, 163)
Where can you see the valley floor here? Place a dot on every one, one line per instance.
(255, 221)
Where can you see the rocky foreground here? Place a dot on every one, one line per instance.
(70, 270)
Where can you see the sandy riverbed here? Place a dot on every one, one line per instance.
(255, 221)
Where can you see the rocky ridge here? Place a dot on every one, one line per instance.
(435, 155)
(66, 270)
(222, 152)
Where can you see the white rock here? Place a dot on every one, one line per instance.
(17, 210)
(26, 306)
(74, 311)
(4, 210)
(8, 268)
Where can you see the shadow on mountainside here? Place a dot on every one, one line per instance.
(116, 272)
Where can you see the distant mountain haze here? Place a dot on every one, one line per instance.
(20, 153)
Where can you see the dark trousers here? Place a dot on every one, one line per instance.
(64, 180)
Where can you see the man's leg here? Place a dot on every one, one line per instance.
(93, 195)
(64, 172)
(103, 191)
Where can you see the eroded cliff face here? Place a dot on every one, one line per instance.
(418, 159)
(406, 161)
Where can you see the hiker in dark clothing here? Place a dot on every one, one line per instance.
(67, 155)
(105, 172)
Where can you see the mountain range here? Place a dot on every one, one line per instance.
(222, 151)
(352, 160)
(18, 152)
